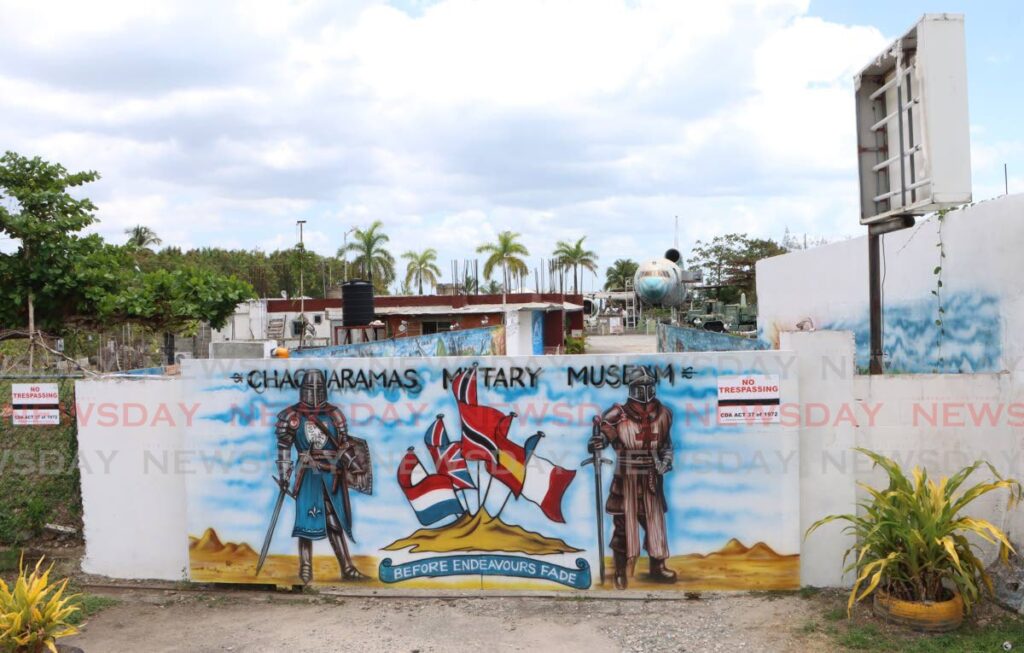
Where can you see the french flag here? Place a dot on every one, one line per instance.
(431, 495)
(546, 484)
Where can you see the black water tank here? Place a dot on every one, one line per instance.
(357, 302)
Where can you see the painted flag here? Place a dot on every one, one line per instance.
(546, 484)
(431, 495)
(447, 455)
(485, 435)
(464, 386)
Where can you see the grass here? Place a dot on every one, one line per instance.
(865, 633)
(39, 478)
(89, 605)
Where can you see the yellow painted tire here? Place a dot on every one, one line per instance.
(925, 616)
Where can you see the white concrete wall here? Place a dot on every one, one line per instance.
(133, 490)
(943, 422)
(519, 333)
(982, 293)
(826, 381)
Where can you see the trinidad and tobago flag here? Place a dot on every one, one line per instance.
(447, 455)
(431, 495)
(485, 435)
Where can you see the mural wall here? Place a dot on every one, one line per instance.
(679, 339)
(485, 341)
(952, 293)
(968, 338)
(668, 472)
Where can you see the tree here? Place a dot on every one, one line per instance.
(492, 287)
(37, 210)
(506, 252)
(573, 256)
(372, 260)
(422, 267)
(728, 263)
(141, 237)
(73, 280)
(620, 272)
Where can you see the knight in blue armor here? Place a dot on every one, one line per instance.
(329, 462)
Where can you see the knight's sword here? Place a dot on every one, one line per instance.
(270, 530)
(596, 460)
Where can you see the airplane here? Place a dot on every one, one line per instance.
(661, 282)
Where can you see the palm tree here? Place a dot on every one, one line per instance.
(572, 255)
(140, 237)
(506, 253)
(621, 271)
(421, 267)
(372, 259)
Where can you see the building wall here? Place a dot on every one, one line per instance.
(981, 297)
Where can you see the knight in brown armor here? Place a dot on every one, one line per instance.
(640, 432)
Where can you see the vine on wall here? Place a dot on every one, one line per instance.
(937, 291)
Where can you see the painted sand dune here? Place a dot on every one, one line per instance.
(733, 567)
(480, 532)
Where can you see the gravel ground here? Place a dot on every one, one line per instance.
(261, 621)
(625, 344)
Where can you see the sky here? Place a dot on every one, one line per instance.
(222, 124)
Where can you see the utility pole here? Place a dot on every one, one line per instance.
(302, 291)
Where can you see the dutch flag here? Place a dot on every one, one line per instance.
(431, 495)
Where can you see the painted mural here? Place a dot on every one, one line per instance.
(965, 337)
(483, 341)
(537, 332)
(679, 339)
(576, 472)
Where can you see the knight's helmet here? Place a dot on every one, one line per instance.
(313, 391)
(641, 384)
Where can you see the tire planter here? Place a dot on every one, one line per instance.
(924, 616)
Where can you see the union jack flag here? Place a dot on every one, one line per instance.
(447, 455)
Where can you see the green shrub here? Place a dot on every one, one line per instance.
(911, 537)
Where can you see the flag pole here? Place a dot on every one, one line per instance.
(490, 477)
(478, 502)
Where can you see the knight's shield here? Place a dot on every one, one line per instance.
(359, 475)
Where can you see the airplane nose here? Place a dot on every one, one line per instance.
(652, 289)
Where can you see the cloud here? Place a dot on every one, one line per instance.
(450, 121)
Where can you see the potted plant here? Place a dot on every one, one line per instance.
(34, 612)
(912, 550)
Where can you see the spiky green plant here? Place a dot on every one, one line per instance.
(912, 539)
(34, 612)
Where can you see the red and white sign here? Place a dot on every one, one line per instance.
(35, 404)
(748, 399)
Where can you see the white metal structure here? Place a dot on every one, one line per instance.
(913, 139)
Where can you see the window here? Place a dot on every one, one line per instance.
(318, 319)
(296, 328)
(435, 327)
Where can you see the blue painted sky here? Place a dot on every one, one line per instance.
(223, 123)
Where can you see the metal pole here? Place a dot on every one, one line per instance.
(875, 233)
(875, 365)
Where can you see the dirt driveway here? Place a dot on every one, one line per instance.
(267, 621)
